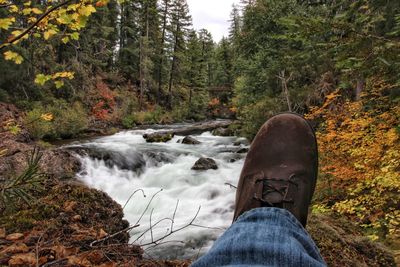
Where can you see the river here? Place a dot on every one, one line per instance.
(123, 163)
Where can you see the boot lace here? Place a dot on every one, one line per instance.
(281, 188)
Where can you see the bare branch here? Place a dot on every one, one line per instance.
(155, 242)
(151, 228)
(5, 5)
(231, 185)
(148, 204)
(173, 216)
(142, 234)
(113, 235)
(126, 203)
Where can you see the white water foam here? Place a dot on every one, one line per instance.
(172, 173)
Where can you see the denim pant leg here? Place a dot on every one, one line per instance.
(263, 237)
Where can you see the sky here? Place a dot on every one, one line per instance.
(212, 15)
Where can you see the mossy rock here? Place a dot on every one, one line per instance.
(59, 207)
(158, 137)
(342, 244)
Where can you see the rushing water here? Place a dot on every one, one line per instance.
(123, 163)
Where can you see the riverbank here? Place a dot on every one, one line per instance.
(60, 225)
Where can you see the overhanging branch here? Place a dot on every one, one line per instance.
(27, 30)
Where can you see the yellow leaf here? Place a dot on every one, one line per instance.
(36, 11)
(47, 117)
(9, 55)
(59, 84)
(41, 79)
(65, 74)
(64, 19)
(16, 33)
(32, 19)
(86, 10)
(48, 34)
(13, 9)
(26, 11)
(75, 35)
(6, 23)
(3, 152)
(65, 39)
(27, 3)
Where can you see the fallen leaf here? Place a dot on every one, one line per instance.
(77, 218)
(63, 252)
(95, 257)
(108, 264)
(2, 230)
(75, 260)
(14, 237)
(102, 234)
(26, 259)
(15, 248)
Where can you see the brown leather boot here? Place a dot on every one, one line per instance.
(281, 167)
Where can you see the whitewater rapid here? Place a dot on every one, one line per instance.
(123, 163)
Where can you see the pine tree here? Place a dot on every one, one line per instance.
(180, 23)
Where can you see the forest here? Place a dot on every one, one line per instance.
(79, 68)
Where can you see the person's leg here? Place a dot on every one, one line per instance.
(263, 237)
(274, 192)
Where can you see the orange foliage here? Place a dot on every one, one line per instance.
(360, 149)
(106, 103)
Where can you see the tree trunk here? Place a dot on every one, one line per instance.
(359, 88)
(285, 89)
(161, 60)
(173, 66)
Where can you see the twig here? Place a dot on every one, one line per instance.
(163, 243)
(174, 231)
(173, 216)
(5, 5)
(126, 203)
(37, 249)
(231, 185)
(148, 204)
(151, 228)
(142, 234)
(113, 235)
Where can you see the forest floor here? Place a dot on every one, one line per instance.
(72, 225)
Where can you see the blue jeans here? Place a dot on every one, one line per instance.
(263, 237)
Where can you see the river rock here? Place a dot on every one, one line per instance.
(157, 158)
(241, 141)
(188, 140)
(131, 161)
(242, 150)
(204, 164)
(159, 137)
(223, 132)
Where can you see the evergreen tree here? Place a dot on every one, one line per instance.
(180, 23)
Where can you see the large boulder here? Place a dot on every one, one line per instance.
(188, 140)
(204, 164)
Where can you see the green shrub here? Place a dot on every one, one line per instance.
(179, 113)
(68, 120)
(128, 122)
(37, 127)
